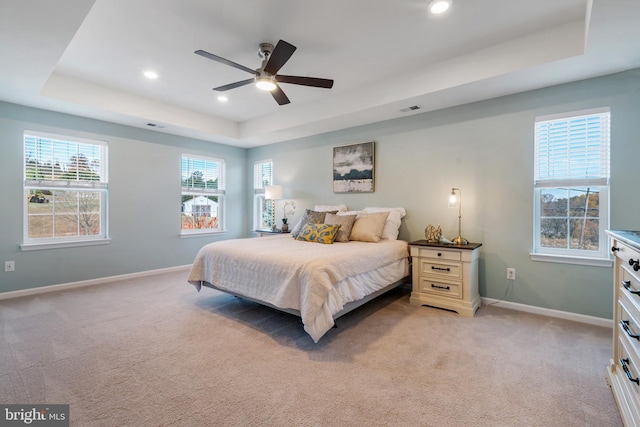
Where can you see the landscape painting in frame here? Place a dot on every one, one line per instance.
(353, 168)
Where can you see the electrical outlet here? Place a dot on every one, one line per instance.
(511, 273)
(9, 266)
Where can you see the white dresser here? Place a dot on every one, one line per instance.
(445, 276)
(623, 372)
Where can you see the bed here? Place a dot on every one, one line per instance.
(318, 282)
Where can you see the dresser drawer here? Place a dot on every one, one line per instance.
(629, 258)
(629, 324)
(436, 253)
(625, 252)
(629, 364)
(451, 270)
(452, 290)
(630, 286)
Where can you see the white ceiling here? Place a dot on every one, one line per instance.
(86, 58)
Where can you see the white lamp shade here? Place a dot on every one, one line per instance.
(273, 192)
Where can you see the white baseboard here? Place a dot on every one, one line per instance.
(591, 320)
(83, 283)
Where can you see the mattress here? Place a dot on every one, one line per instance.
(313, 279)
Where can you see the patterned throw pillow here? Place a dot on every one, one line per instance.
(309, 217)
(319, 233)
(345, 221)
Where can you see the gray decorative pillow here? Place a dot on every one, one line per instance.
(309, 217)
(345, 221)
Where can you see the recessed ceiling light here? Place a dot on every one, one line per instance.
(151, 74)
(223, 98)
(439, 6)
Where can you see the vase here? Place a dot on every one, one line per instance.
(285, 228)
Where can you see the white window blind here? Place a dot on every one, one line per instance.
(262, 209)
(572, 150)
(262, 174)
(63, 162)
(201, 175)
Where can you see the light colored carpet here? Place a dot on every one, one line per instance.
(154, 352)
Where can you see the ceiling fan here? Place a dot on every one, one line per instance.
(266, 77)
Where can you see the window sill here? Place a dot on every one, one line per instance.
(201, 233)
(59, 245)
(564, 259)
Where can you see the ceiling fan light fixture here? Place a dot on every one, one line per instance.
(266, 77)
(439, 6)
(265, 83)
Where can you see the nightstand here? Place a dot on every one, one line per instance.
(445, 276)
(266, 233)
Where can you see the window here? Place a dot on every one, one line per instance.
(65, 190)
(262, 176)
(572, 184)
(202, 195)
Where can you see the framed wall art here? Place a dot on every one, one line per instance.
(353, 168)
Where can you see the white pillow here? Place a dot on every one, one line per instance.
(325, 208)
(357, 213)
(392, 224)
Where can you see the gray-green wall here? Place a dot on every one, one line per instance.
(484, 148)
(144, 201)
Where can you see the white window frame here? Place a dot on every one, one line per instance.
(48, 145)
(552, 171)
(218, 192)
(261, 178)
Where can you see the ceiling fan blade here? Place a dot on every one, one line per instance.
(305, 81)
(233, 85)
(224, 61)
(279, 96)
(280, 55)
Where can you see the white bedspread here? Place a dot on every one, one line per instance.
(302, 276)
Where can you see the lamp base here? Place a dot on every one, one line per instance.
(460, 241)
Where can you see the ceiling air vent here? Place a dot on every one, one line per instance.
(412, 108)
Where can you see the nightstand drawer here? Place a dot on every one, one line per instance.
(452, 270)
(440, 288)
(435, 253)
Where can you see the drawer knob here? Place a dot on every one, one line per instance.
(613, 249)
(635, 264)
(625, 326)
(439, 254)
(440, 268)
(627, 286)
(624, 362)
